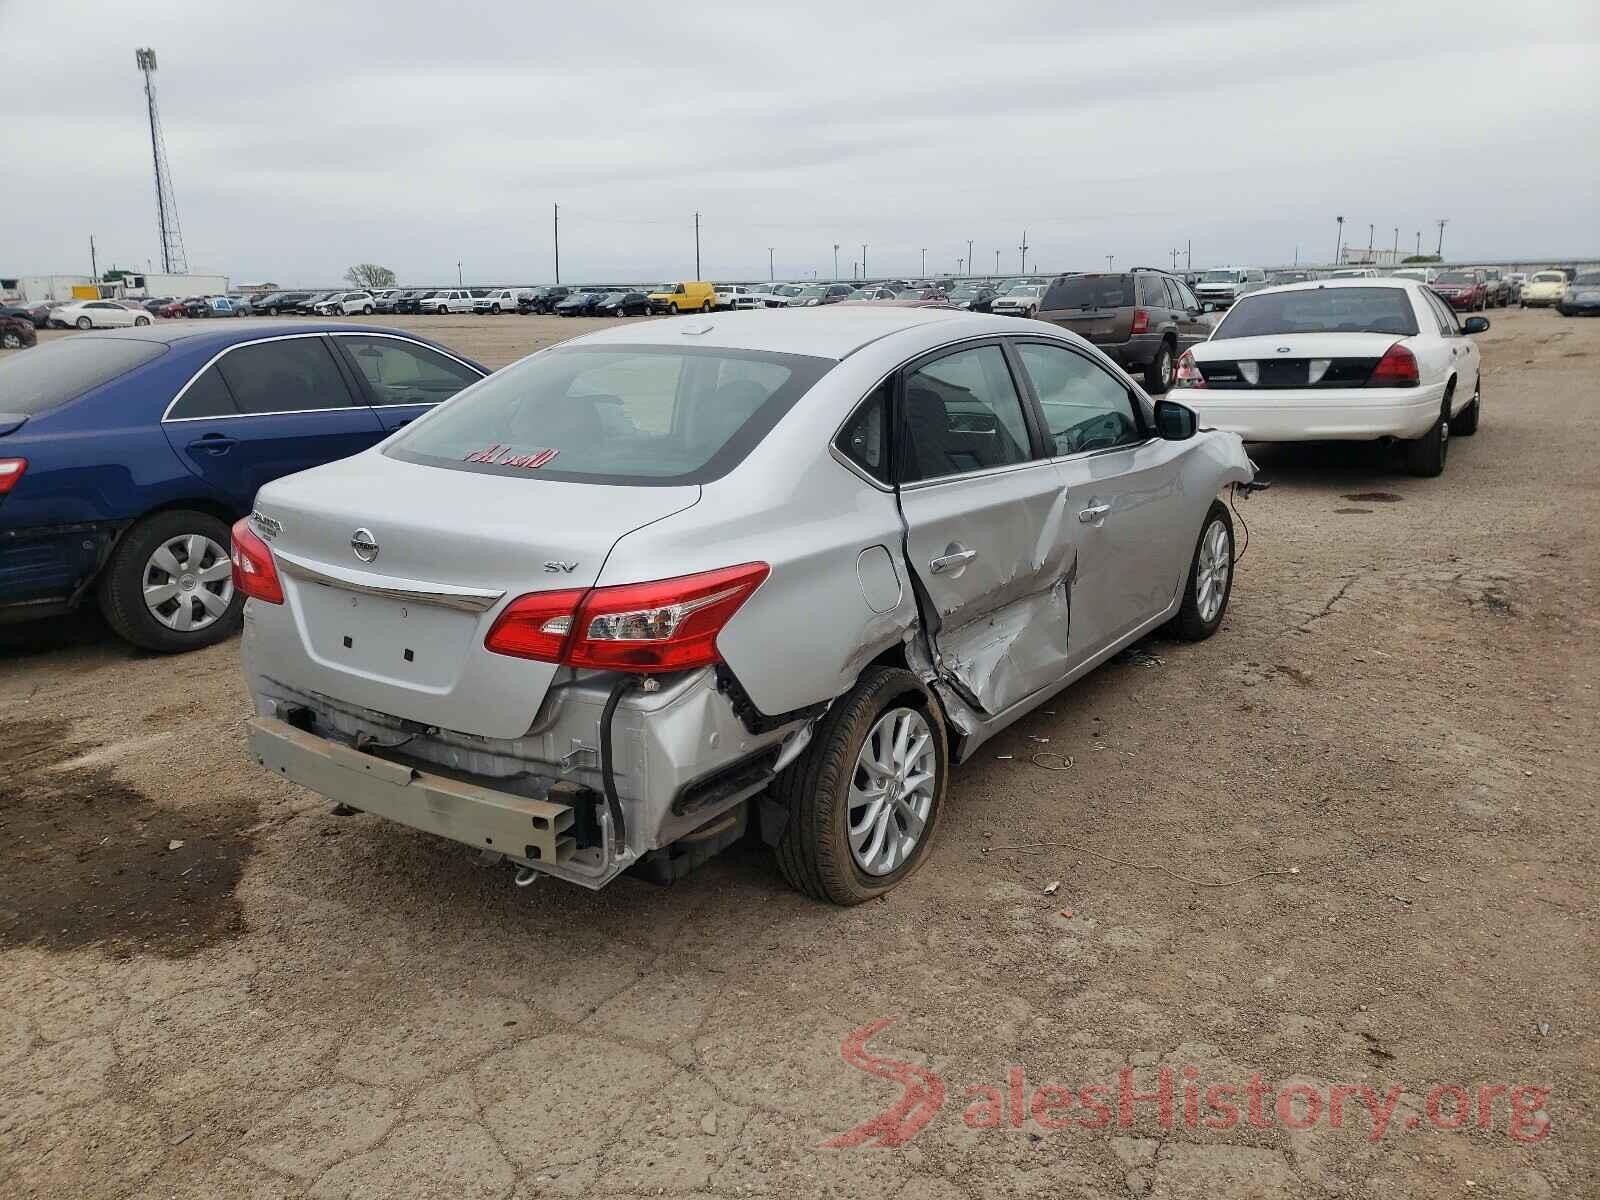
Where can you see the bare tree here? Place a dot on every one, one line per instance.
(370, 275)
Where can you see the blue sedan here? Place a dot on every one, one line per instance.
(125, 456)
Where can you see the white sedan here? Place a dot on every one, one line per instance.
(1340, 359)
(100, 314)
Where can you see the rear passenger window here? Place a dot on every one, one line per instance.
(1151, 292)
(291, 375)
(962, 413)
(864, 439)
(207, 396)
(1084, 407)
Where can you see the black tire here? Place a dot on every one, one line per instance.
(814, 849)
(706, 307)
(1161, 370)
(10, 340)
(1465, 422)
(121, 586)
(1426, 455)
(1190, 625)
(141, 321)
(366, 310)
(272, 312)
(85, 323)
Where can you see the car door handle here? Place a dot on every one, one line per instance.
(1093, 513)
(952, 560)
(213, 443)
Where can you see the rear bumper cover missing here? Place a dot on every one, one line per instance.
(537, 831)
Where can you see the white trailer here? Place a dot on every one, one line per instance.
(177, 286)
(36, 289)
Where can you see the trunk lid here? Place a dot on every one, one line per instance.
(1102, 325)
(1296, 360)
(393, 573)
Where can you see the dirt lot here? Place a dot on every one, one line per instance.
(1349, 841)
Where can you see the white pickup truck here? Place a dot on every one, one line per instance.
(451, 300)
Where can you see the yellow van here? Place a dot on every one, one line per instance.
(696, 296)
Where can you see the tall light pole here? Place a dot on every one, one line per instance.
(1397, 243)
(997, 262)
(770, 275)
(1109, 259)
(969, 254)
(863, 260)
(1443, 221)
(1369, 243)
(960, 263)
(458, 273)
(697, 245)
(836, 260)
(555, 225)
(1024, 249)
(924, 260)
(1338, 238)
(1419, 243)
(1174, 254)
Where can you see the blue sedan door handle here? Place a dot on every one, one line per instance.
(213, 443)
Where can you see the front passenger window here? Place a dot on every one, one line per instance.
(1085, 408)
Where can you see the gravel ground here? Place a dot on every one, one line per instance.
(1349, 841)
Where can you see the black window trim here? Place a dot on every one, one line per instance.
(357, 401)
(1146, 429)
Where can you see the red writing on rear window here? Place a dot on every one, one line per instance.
(501, 456)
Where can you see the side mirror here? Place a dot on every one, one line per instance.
(1175, 422)
(1475, 325)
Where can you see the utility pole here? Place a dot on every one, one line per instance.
(960, 263)
(1109, 259)
(1024, 249)
(1297, 256)
(1174, 261)
(1396, 243)
(970, 267)
(1419, 243)
(836, 260)
(770, 275)
(997, 262)
(555, 217)
(1443, 221)
(1369, 243)
(863, 260)
(94, 267)
(1188, 256)
(1337, 239)
(458, 273)
(924, 260)
(697, 245)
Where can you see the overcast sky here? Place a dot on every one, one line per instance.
(306, 137)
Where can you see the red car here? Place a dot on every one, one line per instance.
(16, 333)
(1467, 291)
(175, 309)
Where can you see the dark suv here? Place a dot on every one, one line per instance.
(1144, 318)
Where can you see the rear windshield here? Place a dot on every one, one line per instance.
(52, 374)
(1091, 291)
(1321, 310)
(615, 414)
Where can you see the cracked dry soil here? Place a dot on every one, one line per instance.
(1401, 706)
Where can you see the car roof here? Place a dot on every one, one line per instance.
(199, 335)
(822, 331)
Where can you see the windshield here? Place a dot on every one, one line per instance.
(609, 414)
(1025, 289)
(55, 372)
(1320, 310)
(1456, 277)
(1288, 277)
(1588, 279)
(1219, 277)
(1549, 277)
(815, 289)
(1092, 291)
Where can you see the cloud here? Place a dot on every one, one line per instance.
(303, 137)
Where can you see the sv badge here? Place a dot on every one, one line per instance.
(565, 568)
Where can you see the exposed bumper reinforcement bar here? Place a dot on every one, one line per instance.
(535, 831)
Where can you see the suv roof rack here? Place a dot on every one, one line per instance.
(1158, 270)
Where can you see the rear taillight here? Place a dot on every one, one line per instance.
(1188, 374)
(1141, 321)
(1397, 368)
(11, 470)
(254, 572)
(668, 625)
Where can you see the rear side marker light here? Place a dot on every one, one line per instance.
(1397, 368)
(254, 571)
(1188, 374)
(11, 470)
(667, 625)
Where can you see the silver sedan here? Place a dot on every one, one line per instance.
(643, 591)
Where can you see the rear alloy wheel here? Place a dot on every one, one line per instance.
(85, 323)
(169, 583)
(141, 320)
(10, 340)
(1425, 456)
(1162, 371)
(864, 799)
(1210, 585)
(366, 311)
(1465, 422)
